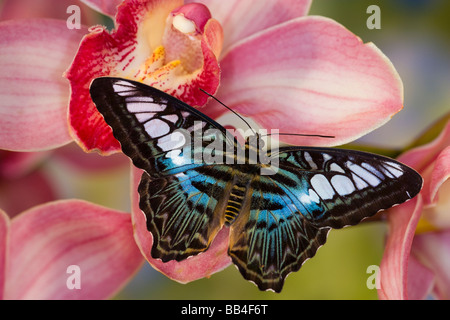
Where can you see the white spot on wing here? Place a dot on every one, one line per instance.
(309, 198)
(326, 157)
(372, 170)
(143, 117)
(135, 107)
(156, 128)
(394, 168)
(322, 187)
(364, 174)
(335, 167)
(143, 99)
(309, 159)
(172, 141)
(360, 183)
(175, 156)
(172, 118)
(342, 184)
(124, 89)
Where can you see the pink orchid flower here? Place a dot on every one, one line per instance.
(18, 177)
(271, 60)
(415, 264)
(164, 44)
(67, 249)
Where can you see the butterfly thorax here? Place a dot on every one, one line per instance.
(253, 153)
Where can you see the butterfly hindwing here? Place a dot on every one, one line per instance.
(183, 211)
(270, 238)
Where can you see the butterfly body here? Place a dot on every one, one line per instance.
(279, 205)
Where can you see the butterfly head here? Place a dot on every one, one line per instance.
(254, 141)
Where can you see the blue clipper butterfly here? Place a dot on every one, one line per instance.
(277, 221)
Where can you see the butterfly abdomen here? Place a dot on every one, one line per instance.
(234, 204)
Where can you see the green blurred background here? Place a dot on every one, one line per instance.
(415, 35)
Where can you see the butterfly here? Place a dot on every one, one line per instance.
(276, 220)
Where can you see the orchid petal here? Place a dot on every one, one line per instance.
(433, 250)
(25, 192)
(432, 161)
(90, 162)
(436, 194)
(33, 93)
(441, 173)
(14, 165)
(29, 9)
(420, 280)
(213, 260)
(315, 73)
(46, 240)
(108, 8)
(242, 18)
(422, 157)
(4, 226)
(402, 222)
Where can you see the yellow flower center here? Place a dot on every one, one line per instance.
(155, 68)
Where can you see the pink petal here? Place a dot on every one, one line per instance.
(203, 265)
(420, 280)
(432, 161)
(46, 240)
(87, 125)
(27, 9)
(17, 164)
(436, 195)
(441, 173)
(107, 7)
(242, 18)
(311, 76)
(33, 93)
(402, 223)
(22, 193)
(433, 249)
(420, 158)
(84, 162)
(4, 226)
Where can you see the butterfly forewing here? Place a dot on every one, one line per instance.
(154, 129)
(277, 221)
(336, 187)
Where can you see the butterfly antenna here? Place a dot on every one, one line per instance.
(229, 109)
(300, 134)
